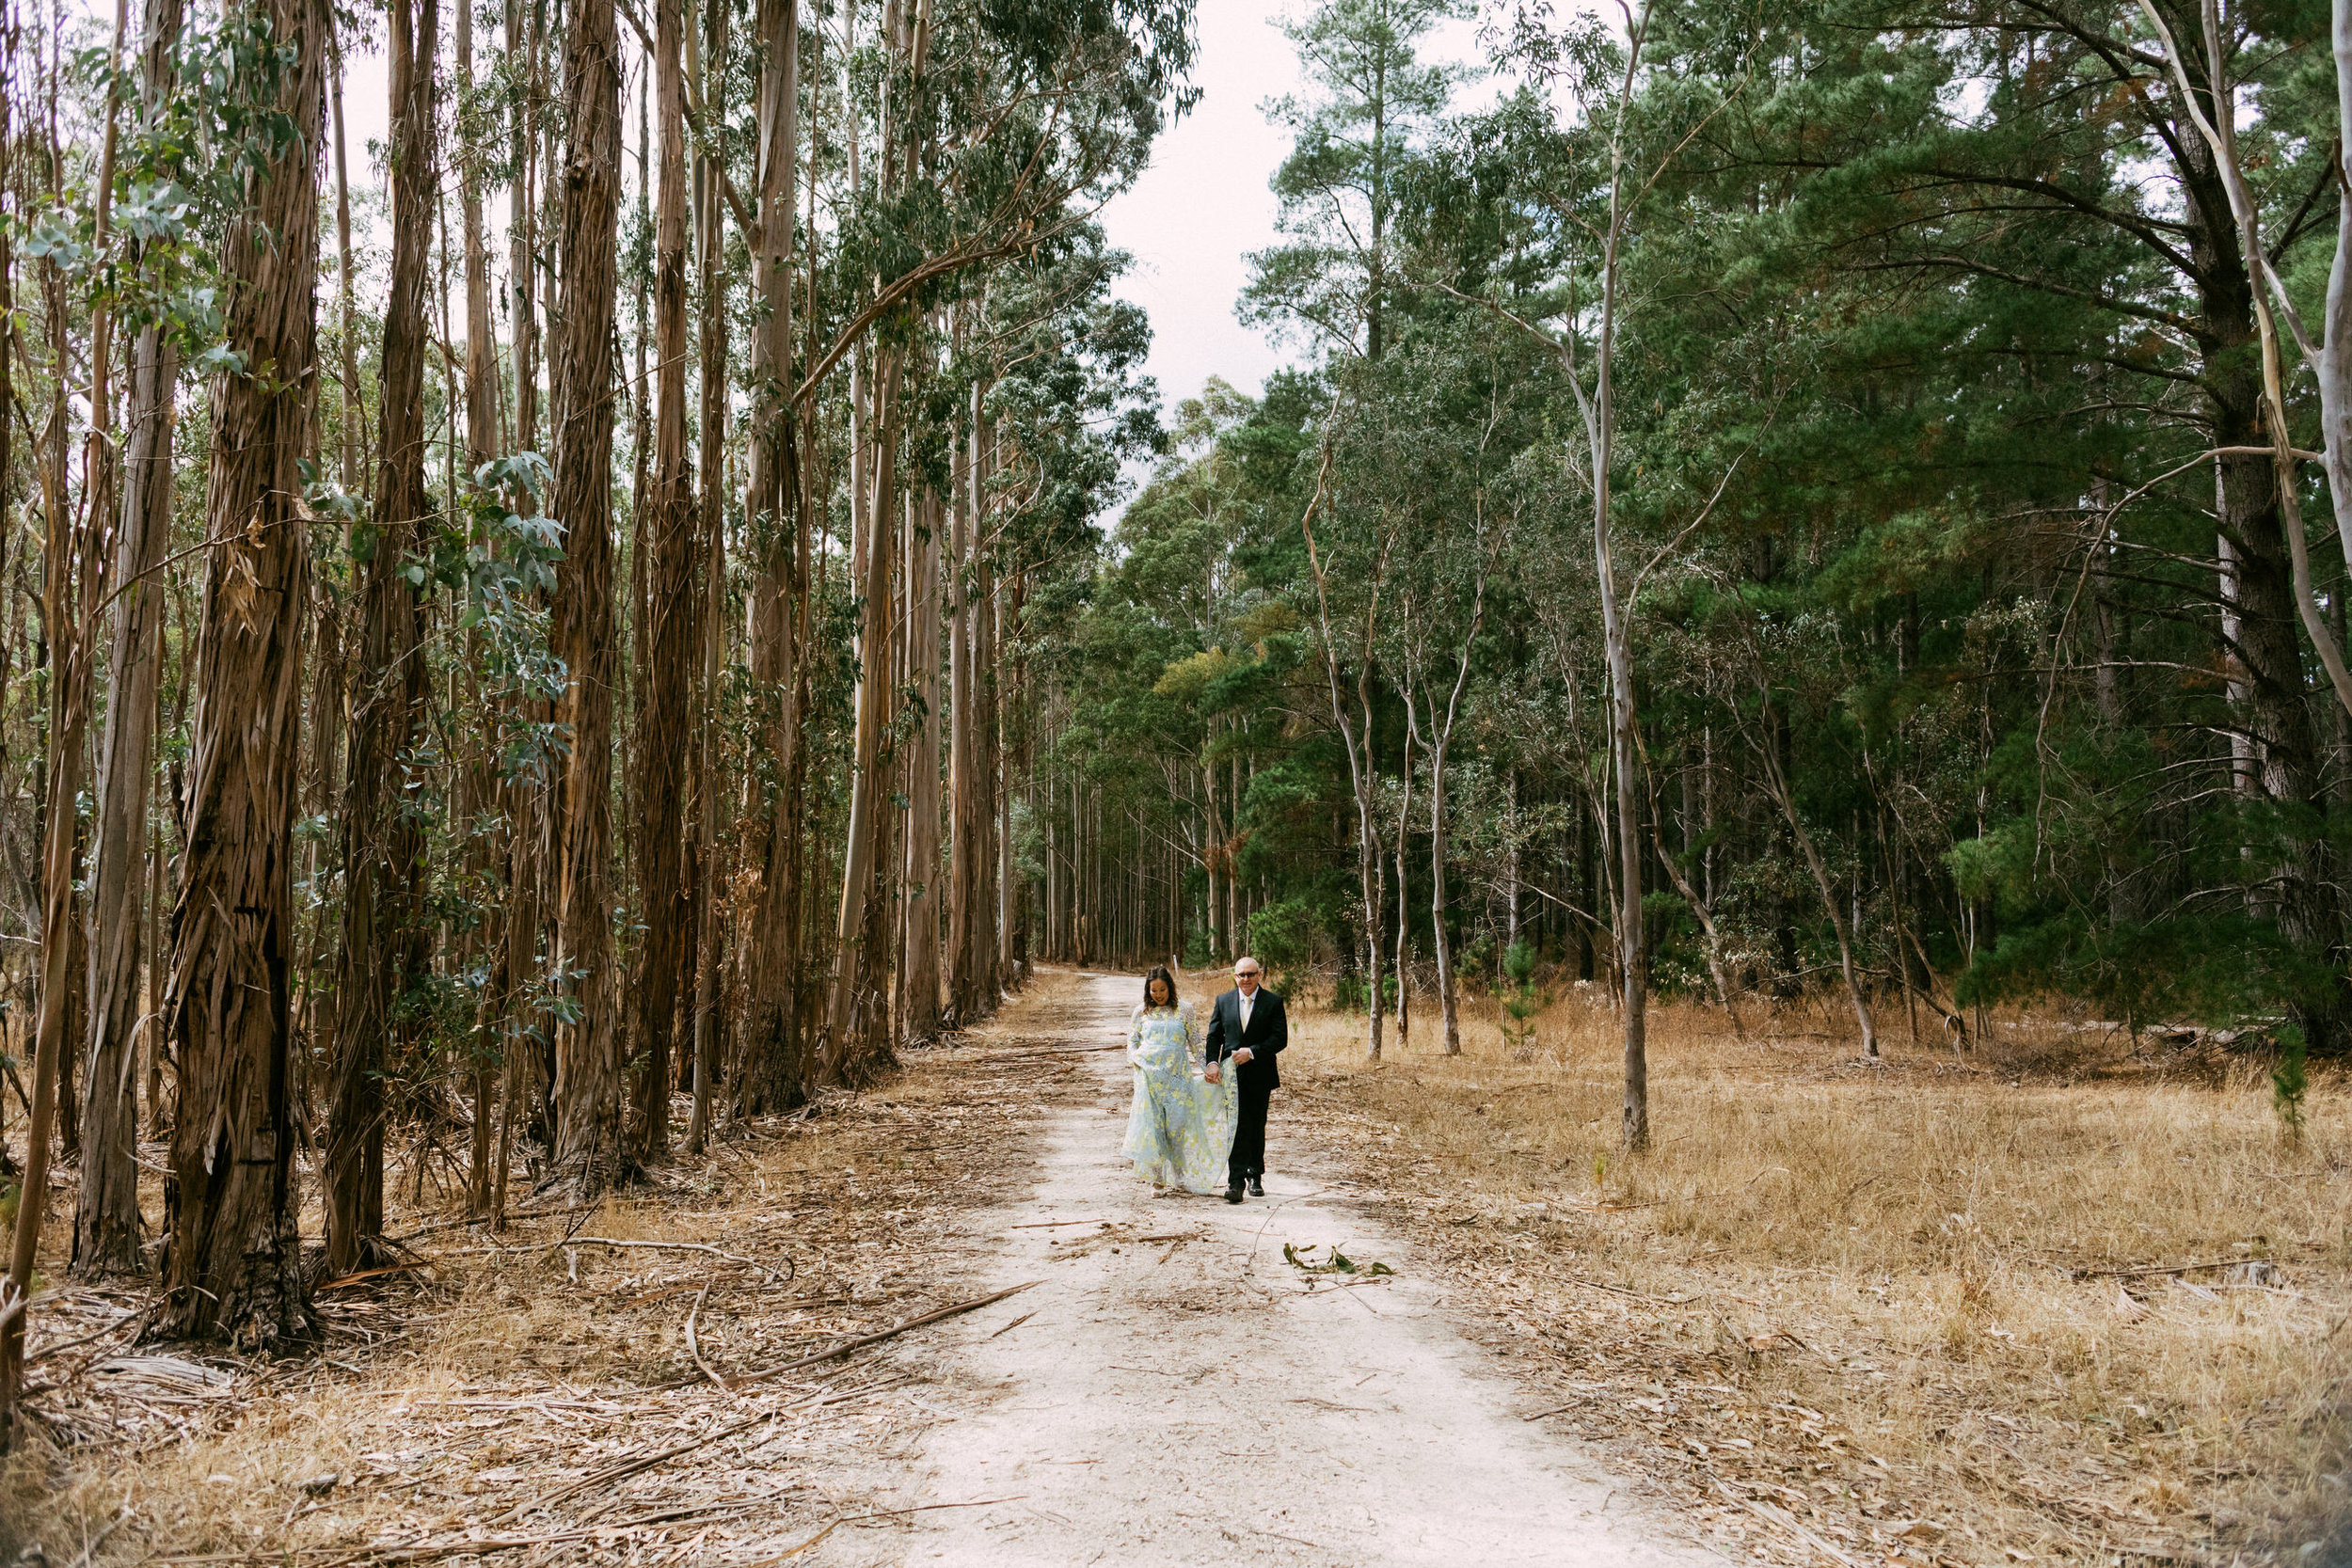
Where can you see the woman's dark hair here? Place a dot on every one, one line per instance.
(1159, 971)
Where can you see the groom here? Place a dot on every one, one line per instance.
(1247, 1025)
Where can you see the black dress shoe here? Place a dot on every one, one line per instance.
(1232, 1193)
(1257, 1188)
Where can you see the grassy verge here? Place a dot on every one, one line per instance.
(1855, 1300)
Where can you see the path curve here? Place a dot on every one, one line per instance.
(1195, 1399)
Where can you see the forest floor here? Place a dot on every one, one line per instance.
(2064, 1297)
(1835, 1317)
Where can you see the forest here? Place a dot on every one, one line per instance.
(663, 587)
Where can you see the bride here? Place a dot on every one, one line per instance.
(1180, 1132)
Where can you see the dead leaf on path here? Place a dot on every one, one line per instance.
(1339, 1263)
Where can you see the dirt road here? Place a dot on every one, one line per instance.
(1180, 1392)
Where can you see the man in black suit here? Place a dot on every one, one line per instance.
(1247, 1025)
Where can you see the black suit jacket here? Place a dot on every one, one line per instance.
(1269, 1031)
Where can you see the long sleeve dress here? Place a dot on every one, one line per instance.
(1180, 1132)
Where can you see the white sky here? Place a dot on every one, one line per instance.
(1203, 205)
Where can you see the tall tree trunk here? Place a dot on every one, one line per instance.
(481, 371)
(1440, 741)
(998, 940)
(1359, 742)
(106, 1224)
(587, 1057)
(709, 624)
(771, 1048)
(11, 629)
(354, 413)
(522, 145)
(922, 860)
(383, 936)
(234, 1263)
(846, 1011)
(1404, 904)
(73, 577)
(962, 862)
(665, 722)
(483, 405)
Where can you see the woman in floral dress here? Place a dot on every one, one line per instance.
(1180, 1132)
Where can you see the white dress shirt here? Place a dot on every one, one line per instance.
(1242, 1003)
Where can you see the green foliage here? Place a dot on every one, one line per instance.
(1284, 936)
(1372, 98)
(1349, 991)
(1519, 999)
(2289, 1082)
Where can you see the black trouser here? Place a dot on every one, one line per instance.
(1249, 1134)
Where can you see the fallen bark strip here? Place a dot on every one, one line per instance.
(449, 1548)
(1621, 1290)
(623, 1470)
(2163, 1268)
(865, 1340)
(617, 1242)
(1787, 1521)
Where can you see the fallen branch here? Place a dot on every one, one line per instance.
(90, 1551)
(1621, 1290)
(694, 1346)
(865, 1340)
(346, 1280)
(1050, 1050)
(925, 1507)
(795, 1551)
(432, 1226)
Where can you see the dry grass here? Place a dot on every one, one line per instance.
(1847, 1293)
(521, 1365)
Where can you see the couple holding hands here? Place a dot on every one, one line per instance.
(1196, 1133)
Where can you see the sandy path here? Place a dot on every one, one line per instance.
(1200, 1401)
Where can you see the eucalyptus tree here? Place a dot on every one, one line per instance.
(665, 725)
(383, 957)
(107, 1218)
(233, 1263)
(587, 1042)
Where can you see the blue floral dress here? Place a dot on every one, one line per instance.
(1180, 1132)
